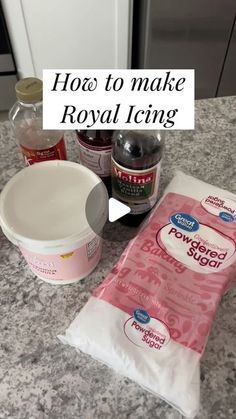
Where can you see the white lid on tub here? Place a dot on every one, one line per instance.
(47, 202)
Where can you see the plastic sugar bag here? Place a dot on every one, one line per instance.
(150, 318)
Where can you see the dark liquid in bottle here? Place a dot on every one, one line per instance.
(95, 153)
(138, 151)
(133, 220)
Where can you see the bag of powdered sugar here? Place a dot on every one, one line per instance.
(150, 318)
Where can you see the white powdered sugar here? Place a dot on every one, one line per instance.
(150, 318)
(172, 374)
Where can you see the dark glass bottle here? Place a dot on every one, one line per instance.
(95, 153)
(136, 161)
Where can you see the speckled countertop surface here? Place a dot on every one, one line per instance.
(41, 378)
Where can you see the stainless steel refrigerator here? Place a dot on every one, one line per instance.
(8, 74)
(188, 34)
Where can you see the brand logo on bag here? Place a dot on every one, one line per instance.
(228, 218)
(184, 221)
(141, 316)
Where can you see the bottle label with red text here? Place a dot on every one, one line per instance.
(56, 152)
(136, 188)
(96, 158)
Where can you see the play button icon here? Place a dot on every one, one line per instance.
(117, 210)
(114, 229)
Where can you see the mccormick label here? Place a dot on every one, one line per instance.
(56, 152)
(138, 189)
(95, 158)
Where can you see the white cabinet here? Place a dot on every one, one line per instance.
(69, 34)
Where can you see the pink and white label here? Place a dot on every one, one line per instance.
(66, 266)
(216, 205)
(152, 334)
(175, 270)
(203, 251)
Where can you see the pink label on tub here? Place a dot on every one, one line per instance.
(66, 266)
(173, 274)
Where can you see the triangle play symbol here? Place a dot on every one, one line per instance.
(117, 210)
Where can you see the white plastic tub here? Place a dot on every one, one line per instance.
(43, 212)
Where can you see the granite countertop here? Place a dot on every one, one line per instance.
(41, 378)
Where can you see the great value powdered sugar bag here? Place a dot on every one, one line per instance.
(150, 318)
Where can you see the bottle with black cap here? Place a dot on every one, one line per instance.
(95, 153)
(136, 164)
